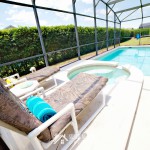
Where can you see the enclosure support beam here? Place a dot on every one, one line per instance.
(110, 9)
(133, 8)
(141, 21)
(95, 26)
(120, 34)
(114, 31)
(51, 9)
(107, 44)
(114, 2)
(76, 28)
(107, 6)
(129, 14)
(142, 12)
(40, 33)
(136, 19)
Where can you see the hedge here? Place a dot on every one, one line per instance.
(22, 42)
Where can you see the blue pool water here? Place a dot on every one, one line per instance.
(112, 73)
(137, 56)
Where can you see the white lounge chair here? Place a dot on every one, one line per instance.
(14, 79)
(44, 76)
(74, 96)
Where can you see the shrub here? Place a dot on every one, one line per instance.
(22, 42)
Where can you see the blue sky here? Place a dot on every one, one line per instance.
(21, 16)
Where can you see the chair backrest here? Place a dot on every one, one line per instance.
(32, 69)
(14, 76)
(42, 74)
(13, 113)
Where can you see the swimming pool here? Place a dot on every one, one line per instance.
(137, 56)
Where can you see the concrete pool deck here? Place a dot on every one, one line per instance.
(123, 124)
(112, 127)
(140, 135)
(109, 131)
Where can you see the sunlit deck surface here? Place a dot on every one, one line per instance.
(124, 123)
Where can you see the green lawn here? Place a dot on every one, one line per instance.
(131, 42)
(134, 41)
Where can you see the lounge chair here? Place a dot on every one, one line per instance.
(43, 75)
(69, 100)
(14, 79)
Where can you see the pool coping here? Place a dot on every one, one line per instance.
(135, 74)
(63, 74)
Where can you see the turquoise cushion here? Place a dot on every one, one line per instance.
(46, 114)
(32, 101)
(39, 108)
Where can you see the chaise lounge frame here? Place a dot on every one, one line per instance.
(39, 145)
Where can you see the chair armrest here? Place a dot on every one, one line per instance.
(12, 76)
(9, 85)
(16, 82)
(41, 89)
(69, 108)
(20, 80)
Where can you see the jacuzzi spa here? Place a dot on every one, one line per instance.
(111, 70)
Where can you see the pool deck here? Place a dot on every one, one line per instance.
(123, 124)
(140, 135)
(112, 128)
(119, 125)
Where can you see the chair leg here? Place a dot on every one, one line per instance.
(36, 144)
(55, 81)
(104, 99)
(74, 122)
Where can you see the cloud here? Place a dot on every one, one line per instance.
(88, 21)
(63, 16)
(22, 17)
(88, 11)
(146, 10)
(44, 23)
(101, 12)
(131, 24)
(58, 4)
(2, 25)
(10, 11)
(26, 1)
(87, 1)
(25, 16)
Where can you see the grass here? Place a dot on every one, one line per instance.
(131, 42)
(83, 57)
(135, 42)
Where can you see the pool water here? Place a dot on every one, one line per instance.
(112, 73)
(137, 56)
